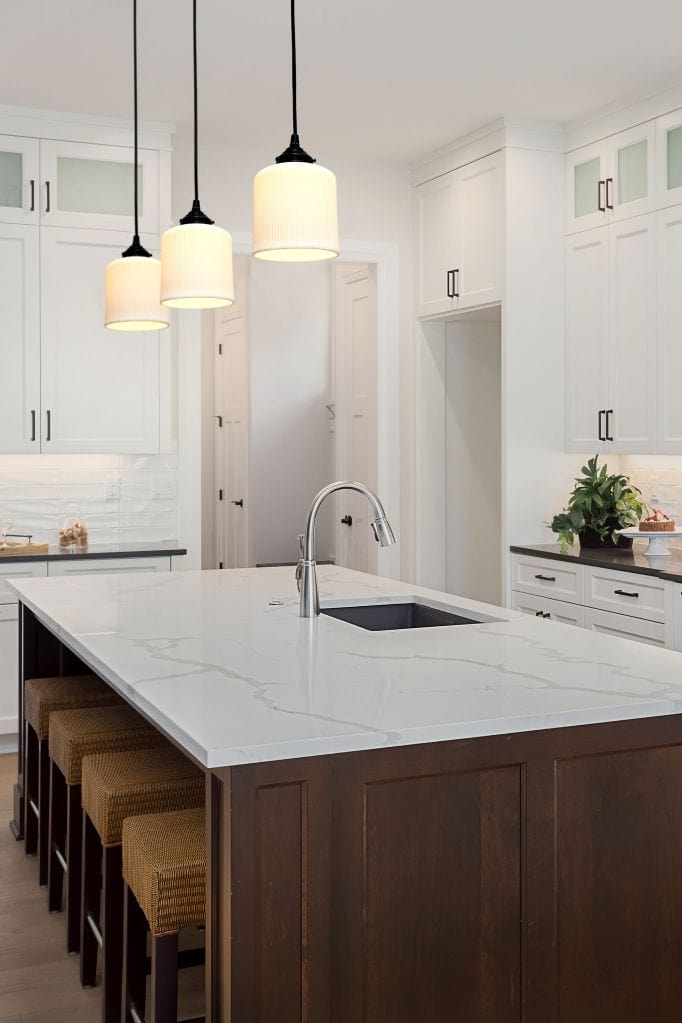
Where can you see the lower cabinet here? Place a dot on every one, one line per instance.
(109, 566)
(9, 646)
(545, 607)
(625, 626)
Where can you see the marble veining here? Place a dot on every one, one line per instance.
(235, 679)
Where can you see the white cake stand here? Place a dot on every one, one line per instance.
(658, 541)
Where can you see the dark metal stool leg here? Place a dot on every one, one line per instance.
(90, 901)
(164, 992)
(74, 842)
(112, 933)
(30, 791)
(43, 803)
(56, 838)
(133, 989)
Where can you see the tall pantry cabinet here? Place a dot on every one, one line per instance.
(68, 384)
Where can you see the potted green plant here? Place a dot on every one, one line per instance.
(601, 504)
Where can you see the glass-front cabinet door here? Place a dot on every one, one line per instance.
(91, 186)
(669, 159)
(586, 187)
(18, 180)
(630, 182)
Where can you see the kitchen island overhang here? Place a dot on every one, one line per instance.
(437, 823)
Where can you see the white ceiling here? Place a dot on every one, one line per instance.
(378, 78)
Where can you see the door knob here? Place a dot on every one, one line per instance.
(239, 503)
(347, 520)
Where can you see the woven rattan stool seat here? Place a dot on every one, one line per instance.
(164, 865)
(76, 733)
(43, 696)
(120, 785)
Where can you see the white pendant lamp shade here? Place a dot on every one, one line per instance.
(131, 288)
(196, 267)
(294, 213)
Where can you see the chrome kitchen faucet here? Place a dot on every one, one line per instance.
(306, 575)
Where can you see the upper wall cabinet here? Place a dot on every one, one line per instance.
(19, 180)
(91, 186)
(669, 159)
(458, 222)
(20, 338)
(612, 179)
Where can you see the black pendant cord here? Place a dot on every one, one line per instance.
(196, 214)
(294, 153)
(136, 249)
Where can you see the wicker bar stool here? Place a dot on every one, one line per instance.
(115, 786)
(164, 869)
(74, 734)
(42, 696)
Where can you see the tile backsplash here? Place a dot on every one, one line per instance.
(120, 498)
(659, 477)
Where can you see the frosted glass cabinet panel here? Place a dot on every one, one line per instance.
(18, 180)
(669, 159)
(630, 183)
(91, 186)
(586, 187)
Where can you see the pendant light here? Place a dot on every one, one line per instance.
(294, 200)
(132, 283)
(196, 256)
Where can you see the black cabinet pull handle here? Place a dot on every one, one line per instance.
(546, 578)
(47, 194)
(239, 503)
(602, 412)
(600, 203)
(624, 593)
(539, 614)
(451, 283)
(455, 283)
(347, 520)
(220, 421)
(33, 195)
(49, 426)
(609, 413)
(33, 424)
(546, 615)
(609, 193)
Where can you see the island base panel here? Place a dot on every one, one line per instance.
(533, 877)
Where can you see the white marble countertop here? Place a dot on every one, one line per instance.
(234, 679)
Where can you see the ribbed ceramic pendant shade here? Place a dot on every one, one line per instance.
(131, 294)
(196, 267)
(294, 213)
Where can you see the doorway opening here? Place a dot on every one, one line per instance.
(295, 404)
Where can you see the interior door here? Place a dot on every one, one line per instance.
(19, 180)
(356, 416)
(632, 335)
(587, 340)
(437, 243)
(100, 388)
(479, 197)
(231, 442)
(20, 339)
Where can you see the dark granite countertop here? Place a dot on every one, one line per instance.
(104, 550)
(632, 560)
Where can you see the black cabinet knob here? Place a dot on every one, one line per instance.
(347, 520)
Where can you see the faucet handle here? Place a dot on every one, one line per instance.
(299, 567)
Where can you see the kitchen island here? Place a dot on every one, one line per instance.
(466, 823)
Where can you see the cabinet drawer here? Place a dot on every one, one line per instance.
(23, 570)
(109, 566)
(545, 607)
(625, 627)
(640, 596)
(9, 668)
(561, 580)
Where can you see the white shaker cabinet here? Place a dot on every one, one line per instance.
(91, 186)
(631, 415)
(9, 651)
(20, 338)
(548, 609)
(625, 627)
(586, 187)
(669, 294)
(669, 159)
(100, 388)
(587, 340)
(19, 180)
(459, 238)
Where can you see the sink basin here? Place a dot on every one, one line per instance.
(387, 617)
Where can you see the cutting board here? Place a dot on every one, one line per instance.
(12, 549)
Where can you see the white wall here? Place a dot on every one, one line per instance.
(375, 205)
(291, 458)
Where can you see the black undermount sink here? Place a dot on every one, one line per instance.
(387, 617)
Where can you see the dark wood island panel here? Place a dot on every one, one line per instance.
(531, 877)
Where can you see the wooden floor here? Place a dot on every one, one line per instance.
(38, 980)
